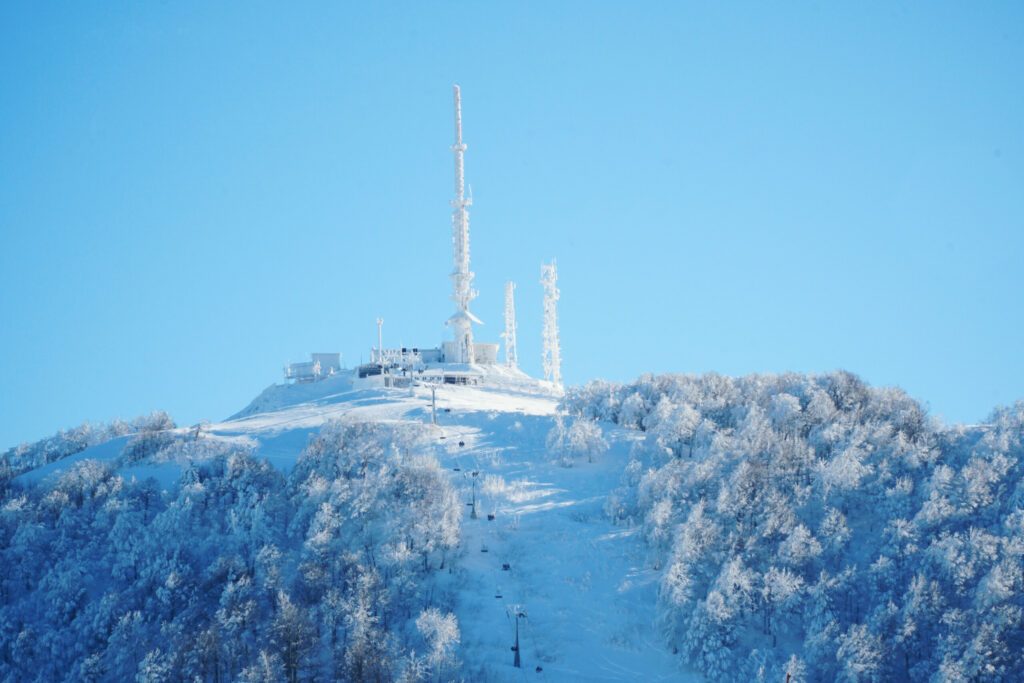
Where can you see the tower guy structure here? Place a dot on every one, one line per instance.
(509, 335)
(462, 320)
(552, 358)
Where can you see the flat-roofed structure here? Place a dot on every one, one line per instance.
(319, 366)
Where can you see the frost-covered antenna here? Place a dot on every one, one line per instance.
(552, 349)
(462, 278)
(380, 342)
(511, 359)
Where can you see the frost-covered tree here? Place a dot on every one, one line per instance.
(266, 669)
(585, 438)
(441, 634)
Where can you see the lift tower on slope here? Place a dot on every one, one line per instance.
(462, 320)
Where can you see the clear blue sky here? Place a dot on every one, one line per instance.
(192, 194)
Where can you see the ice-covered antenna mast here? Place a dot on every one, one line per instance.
(511, 358)
(462, 278)
(552, 349)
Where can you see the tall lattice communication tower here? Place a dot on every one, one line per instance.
(462, 320)
(552, 358)
(509, 335)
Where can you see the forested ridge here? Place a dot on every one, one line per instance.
(818, 527)
(334, 571)
(810, 526)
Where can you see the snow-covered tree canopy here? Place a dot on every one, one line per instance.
(819, 527)
(808, 526)
(240, 572)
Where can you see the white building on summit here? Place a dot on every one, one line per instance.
(460, 360)
(319, 366)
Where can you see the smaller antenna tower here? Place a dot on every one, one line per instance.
(380, 342)
(552, 358)
(511, 358)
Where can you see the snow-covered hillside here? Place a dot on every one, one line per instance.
(539, 544)
(675, 528)
(589, 601)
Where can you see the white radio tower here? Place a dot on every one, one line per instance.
(552, 351)
(511, 359)
(462, 278)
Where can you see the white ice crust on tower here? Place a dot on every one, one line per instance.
(509, 335)
(462, 320)
(552, 357)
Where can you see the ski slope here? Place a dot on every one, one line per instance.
(588, 600)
